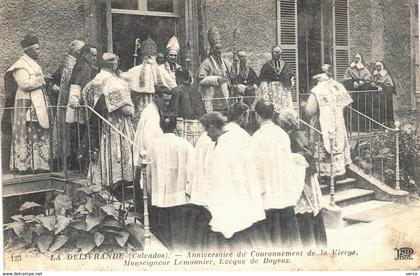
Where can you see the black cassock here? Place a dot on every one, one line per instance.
(248, 77)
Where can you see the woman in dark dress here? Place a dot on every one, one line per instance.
(382, 79)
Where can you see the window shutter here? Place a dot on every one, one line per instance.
(341, 45)
(287, 37)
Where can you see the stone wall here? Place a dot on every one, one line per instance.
(397, 45)
(256, 21)
(360, 14)
(55, 23)
(380, 30)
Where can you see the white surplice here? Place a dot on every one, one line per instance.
(173, 158)
(199, 189)
(281, 174)
(235, 201)
(143, 78)
(30, 80)
(147, 131)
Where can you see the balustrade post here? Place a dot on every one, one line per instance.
(144, 164)
(79, 157)
(332, 188)
(397, 155)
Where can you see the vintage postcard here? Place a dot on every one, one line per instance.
(210, 135)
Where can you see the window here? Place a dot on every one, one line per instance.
(160, 5)
(128, 20)
(126, 28)
(125, 4)
(146, 7)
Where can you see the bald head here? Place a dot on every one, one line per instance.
(214, 123)
(109, 61)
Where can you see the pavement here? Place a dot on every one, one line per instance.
(376, 242)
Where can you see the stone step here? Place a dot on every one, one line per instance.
(340, 185)
(81, 181)
(349, 197)
(351, 210)
(379, 212)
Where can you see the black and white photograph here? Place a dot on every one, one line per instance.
(210, 135)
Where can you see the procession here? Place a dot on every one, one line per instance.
(197, 140)
(229, 167)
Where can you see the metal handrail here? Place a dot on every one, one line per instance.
(82, 106)
(350, 92)
(311, 127)
(144, 163)
(113, 127)
(132, 143)
(371, 119)
(364, 91)
(395, 130)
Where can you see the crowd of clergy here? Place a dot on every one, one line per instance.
(220, 173)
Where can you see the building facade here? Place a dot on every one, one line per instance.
(311, 32)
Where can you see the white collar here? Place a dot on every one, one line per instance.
(382, 73)
(266, 123)
(321, 77)
(358, 65)
(105, 72)
(233, 124)
(29, 59)
(72, 58)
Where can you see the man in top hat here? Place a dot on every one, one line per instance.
(143, 78)
(25, 87)
(213, 75)
(172, 51)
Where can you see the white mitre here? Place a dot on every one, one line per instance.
(173, 45)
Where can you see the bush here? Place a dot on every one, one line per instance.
(377, 152)
(86, 221)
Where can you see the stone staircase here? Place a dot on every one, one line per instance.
(360, 204)
(346, 193)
